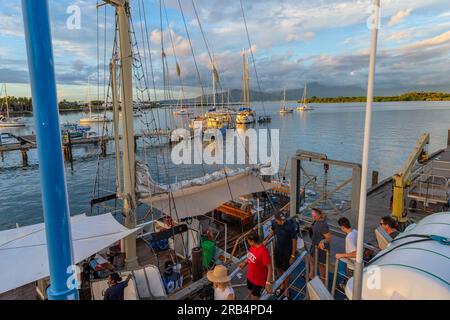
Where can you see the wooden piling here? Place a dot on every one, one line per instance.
(65, 149)
(103, 148)
(24, 157)
(374, 178)
(69, 149)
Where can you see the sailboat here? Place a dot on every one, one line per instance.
(217, 118)
(283, 109)
(8, 121)
(91, 118)
(246, 115)
(182, 111)
(304, 106)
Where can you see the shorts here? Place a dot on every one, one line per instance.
(281, 261)
(322, 255)
(254, 289)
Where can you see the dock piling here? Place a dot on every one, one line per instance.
(374, 178)
(103, 148)
(24, 157)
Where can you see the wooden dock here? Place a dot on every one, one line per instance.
(26, 142)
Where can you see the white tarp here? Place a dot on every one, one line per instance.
(201, 195)
(23, 251)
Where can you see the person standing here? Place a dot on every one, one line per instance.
(350, 244)
(285, 238)
(221, 283)
(116, 287)
(259, 270)
(320, 238)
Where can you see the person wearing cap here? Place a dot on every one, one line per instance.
(221, 283)
(285, 239)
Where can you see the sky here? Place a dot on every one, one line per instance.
(292, 41)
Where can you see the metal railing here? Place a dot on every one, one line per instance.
(346, 276)
(285, 276)
(430, 188)
(327, 264)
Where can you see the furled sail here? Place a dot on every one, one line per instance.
(197, 196)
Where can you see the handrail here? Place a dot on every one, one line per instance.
(285, 275)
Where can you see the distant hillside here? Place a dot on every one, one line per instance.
(314, 89)
(408, 96)
(296, 94)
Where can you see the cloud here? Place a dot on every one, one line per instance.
(399, 35)
(441, 39)
(11, 25)
(295, 39)
(300, 37)
(175, 44)
(399, 16)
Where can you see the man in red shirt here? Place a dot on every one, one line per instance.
(259, 267)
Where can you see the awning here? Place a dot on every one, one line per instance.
(23, 251)
(198, 199)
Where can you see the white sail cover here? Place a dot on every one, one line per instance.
(410, 270)
(198, 196)
(23, 251)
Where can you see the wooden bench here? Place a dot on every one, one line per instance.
(244, 216)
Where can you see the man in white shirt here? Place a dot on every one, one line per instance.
(350, 243)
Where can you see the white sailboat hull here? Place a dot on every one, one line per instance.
(183, 112)
(94, 120)
(286, 111)
(11, 124)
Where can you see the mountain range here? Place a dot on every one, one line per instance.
(314, 90)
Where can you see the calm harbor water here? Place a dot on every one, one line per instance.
(334, 129)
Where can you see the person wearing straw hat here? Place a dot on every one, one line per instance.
(221, 282)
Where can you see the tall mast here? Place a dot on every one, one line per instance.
(304, 95)
(358, 283)
(87, 98)
(214, 86)
(245, 79)
(6, 101)
(284, 98)
(128, 156)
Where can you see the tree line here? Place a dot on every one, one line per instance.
(24, 104)
(409, 96)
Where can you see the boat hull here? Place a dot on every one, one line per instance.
(94, 120)
(12, 125)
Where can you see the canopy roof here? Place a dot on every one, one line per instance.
(198, 196)
(23, 251)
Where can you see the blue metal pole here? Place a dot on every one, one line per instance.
(48, 138)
